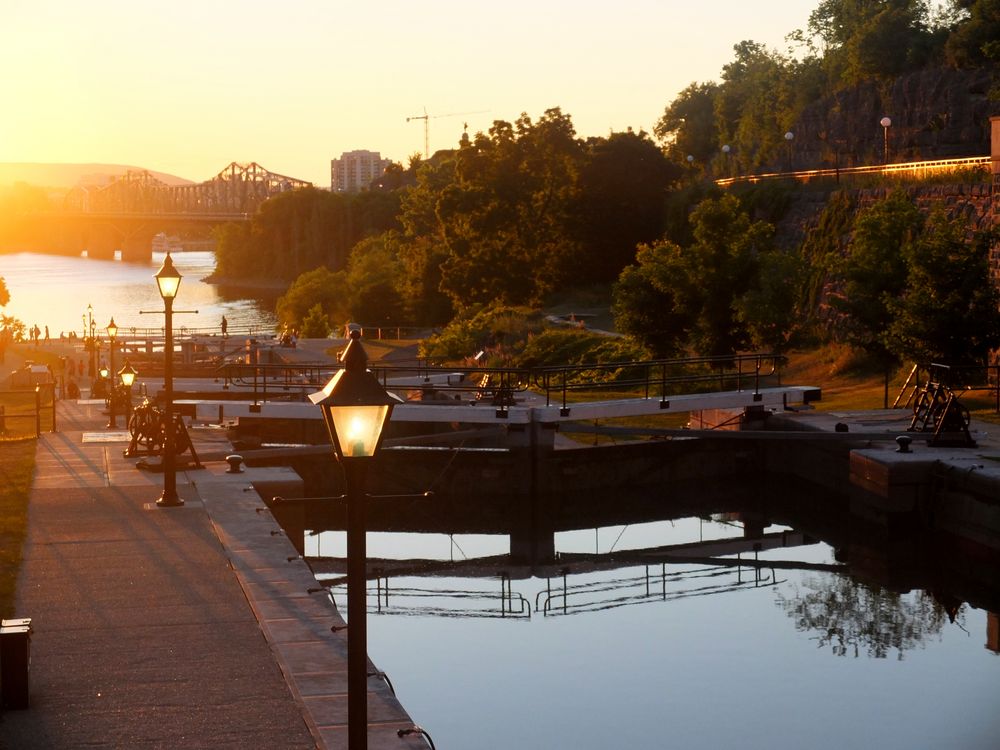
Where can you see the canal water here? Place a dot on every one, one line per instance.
(675, 656)
(55, 291)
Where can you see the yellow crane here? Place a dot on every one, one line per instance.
(427, 130)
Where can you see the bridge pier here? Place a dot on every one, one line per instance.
(137, 246)
(102, 241)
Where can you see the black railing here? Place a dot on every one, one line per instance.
(27, 413)
(502, 385)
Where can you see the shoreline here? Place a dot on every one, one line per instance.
(255, 283)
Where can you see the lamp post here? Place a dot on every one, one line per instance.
(726, 149)
(112, 332)
(127, 376)
(168, 280)
(355, 408)
(885, 122)
(88, 335)
(789, 137)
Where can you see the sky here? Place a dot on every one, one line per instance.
(187, 87)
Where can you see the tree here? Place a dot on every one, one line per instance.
(950, 311)
(646, 308)
(494, 218)
(688, 127)
(623, 185)
(322, 287)
(4, 293)
(767, 309)
(372, 284)
(976, 39)
(316, 324)
(874, 274)
(721, 267)
(678, 298)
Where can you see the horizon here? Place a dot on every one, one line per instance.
(189, 95)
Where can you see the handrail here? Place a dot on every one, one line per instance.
(913, 166)
(654, 378)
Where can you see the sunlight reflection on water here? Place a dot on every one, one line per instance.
(54, 291)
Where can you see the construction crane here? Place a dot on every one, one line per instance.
(427, 130)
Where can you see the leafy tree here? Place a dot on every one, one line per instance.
(874, 275)
(768, 308)
(4, 293)
(874, 272)
(950, 312)
(688, 127)
(976, 39)
(371, 284)
(322, 287)
(316, 324)
(676, 298)
(646, 306)
(623, 185)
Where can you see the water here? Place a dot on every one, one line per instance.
(794, 659)
(55, 291)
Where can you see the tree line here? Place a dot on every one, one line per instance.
(528, 209)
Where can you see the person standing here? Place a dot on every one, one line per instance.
(225, 325)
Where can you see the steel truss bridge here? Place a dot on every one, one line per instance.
(236, 192)
(125, 215)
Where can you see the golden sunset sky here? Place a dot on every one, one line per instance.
(186, 87)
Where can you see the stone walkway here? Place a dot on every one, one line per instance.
(172, 628)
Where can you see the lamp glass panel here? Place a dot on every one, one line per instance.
(357, 428)
(127, 378)
(168, 286)
(112, 329)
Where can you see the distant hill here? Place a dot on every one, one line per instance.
(71, 175)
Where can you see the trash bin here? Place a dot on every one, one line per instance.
(15, 661)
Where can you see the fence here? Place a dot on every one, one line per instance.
(27, 413)
(913, 168)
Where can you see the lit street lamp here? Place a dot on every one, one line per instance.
(127, 375)
(885, 122)
(168, 280)
(112, 332)
(789, 137)
(356, 409)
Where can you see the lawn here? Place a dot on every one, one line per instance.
(17, 464)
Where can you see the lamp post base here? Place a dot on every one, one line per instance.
(168, 500)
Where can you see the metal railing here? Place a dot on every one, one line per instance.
(27, 413)
(916, 168)
(961, 379)
(501, 386)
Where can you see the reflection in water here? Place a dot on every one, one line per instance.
(855, 619)
(674, 622)
(54, 291)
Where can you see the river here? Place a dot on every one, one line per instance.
(56, 290)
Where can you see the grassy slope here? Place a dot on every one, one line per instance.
(17, 464)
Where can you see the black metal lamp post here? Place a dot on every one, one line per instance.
(112, 332)
(168, 280)
(356, 409)
(127, 376)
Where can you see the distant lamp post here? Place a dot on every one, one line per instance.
(885, 122)
(690, 159)
(127, 376)
(112, 333)
(356, 409)
(168, 280)
(725, 151)
(789, 137)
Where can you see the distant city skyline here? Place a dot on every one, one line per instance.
(188, 87)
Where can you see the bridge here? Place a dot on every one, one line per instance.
(125, 215)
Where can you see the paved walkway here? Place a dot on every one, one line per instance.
(146, 629)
